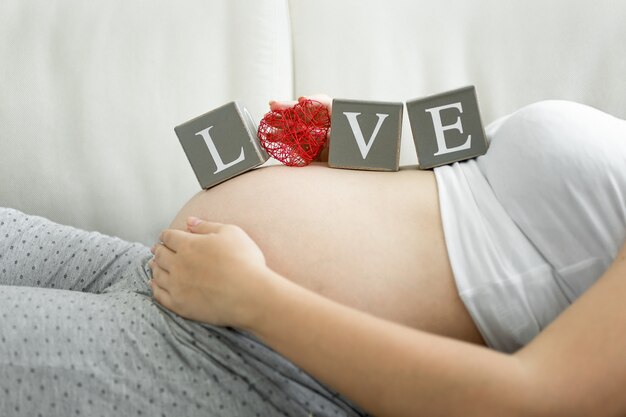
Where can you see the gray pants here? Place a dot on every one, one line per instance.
(80, 335)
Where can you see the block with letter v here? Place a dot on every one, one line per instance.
(365, 135)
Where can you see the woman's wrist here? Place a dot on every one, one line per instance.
(266, 298)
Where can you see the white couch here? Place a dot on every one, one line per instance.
(90, 91)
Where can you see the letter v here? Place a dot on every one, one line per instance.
(358, 134)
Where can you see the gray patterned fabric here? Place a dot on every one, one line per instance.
(80, 335)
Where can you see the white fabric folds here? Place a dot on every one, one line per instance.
(533, 223)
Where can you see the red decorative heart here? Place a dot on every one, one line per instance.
(295, 136)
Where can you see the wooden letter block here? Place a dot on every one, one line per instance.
(221, 144)
(447, 127)
(365, 135)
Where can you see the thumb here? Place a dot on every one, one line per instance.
(199, 226)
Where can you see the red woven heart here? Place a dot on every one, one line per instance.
(295, 136)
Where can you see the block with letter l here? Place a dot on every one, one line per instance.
(365, 135)
(221, 144)
(447, 127)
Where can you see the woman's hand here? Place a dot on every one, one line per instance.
(213, 274)
(324, 100)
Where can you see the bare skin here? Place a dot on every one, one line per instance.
(323, 229)
(217, 273)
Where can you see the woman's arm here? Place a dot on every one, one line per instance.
(575, 367)
(579, 360)
(388, 369)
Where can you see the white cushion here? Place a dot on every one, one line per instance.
(91, 91)
(515, 52)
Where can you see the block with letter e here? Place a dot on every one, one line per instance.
(221, 144)
(365, 135)
(447, 127)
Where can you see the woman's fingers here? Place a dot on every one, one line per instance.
(172, 238)
(281, 105)
(199, 226)
(163, 257)
(159, 275)
(161, 295)
(321, 98)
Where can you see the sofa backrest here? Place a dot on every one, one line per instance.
(90, 91)
(514, 51)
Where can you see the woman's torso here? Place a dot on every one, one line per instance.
(371, 240)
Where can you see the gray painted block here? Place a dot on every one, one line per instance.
(447, 127)
(365, 135)
(221, 144)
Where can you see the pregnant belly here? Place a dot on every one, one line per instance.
(371, 240)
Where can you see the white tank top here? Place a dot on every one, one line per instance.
(533, 223)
